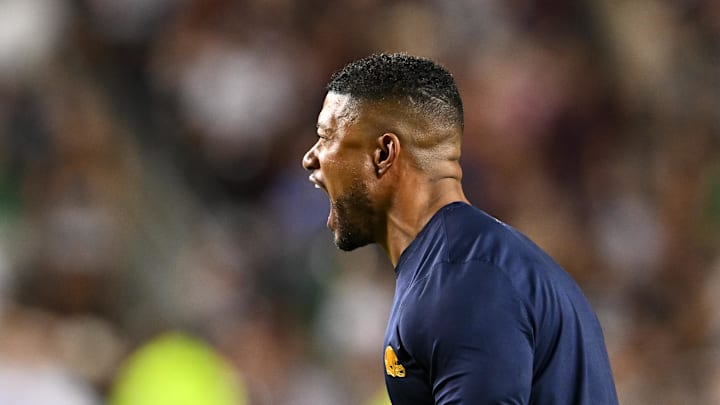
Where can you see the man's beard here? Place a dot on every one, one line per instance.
(354, 216)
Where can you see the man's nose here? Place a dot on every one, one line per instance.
(310, 160)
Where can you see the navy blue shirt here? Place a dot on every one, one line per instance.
(481, 315)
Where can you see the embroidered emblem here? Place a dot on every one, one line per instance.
(392, 366)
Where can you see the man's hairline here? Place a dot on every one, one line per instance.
(358, 103)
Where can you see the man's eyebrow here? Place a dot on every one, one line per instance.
(324, 128)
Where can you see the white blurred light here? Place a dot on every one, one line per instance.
(237, 96)
(42, 384)
(29, 32)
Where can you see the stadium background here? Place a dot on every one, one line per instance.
(150, 181)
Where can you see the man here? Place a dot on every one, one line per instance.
(481, 315)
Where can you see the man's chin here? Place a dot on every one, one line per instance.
(348, 244)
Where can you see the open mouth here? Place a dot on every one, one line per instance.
(318, 184)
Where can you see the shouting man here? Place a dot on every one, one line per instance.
(481, 315)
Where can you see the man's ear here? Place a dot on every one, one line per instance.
(386, 152)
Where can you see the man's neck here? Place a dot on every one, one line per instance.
(415, 204)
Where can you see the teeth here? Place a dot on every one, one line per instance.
(312, 180)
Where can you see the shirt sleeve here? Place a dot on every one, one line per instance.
(472, 334)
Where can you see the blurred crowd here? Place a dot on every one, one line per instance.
(150, 181)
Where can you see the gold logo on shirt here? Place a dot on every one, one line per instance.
(392, 366)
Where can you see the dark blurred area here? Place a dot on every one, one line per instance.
(150, 181)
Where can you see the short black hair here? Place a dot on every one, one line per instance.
(422, 82)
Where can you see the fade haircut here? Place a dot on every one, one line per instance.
(423, 85)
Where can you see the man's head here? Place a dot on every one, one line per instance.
(419, 85)
(384, 116)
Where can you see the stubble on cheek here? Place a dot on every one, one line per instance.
(353, 215)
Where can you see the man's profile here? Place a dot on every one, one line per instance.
(481, 314)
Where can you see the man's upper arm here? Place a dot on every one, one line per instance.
(473, 336)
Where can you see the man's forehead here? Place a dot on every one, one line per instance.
(338, 109)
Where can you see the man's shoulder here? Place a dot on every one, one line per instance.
(471, 234)
(465, 237)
